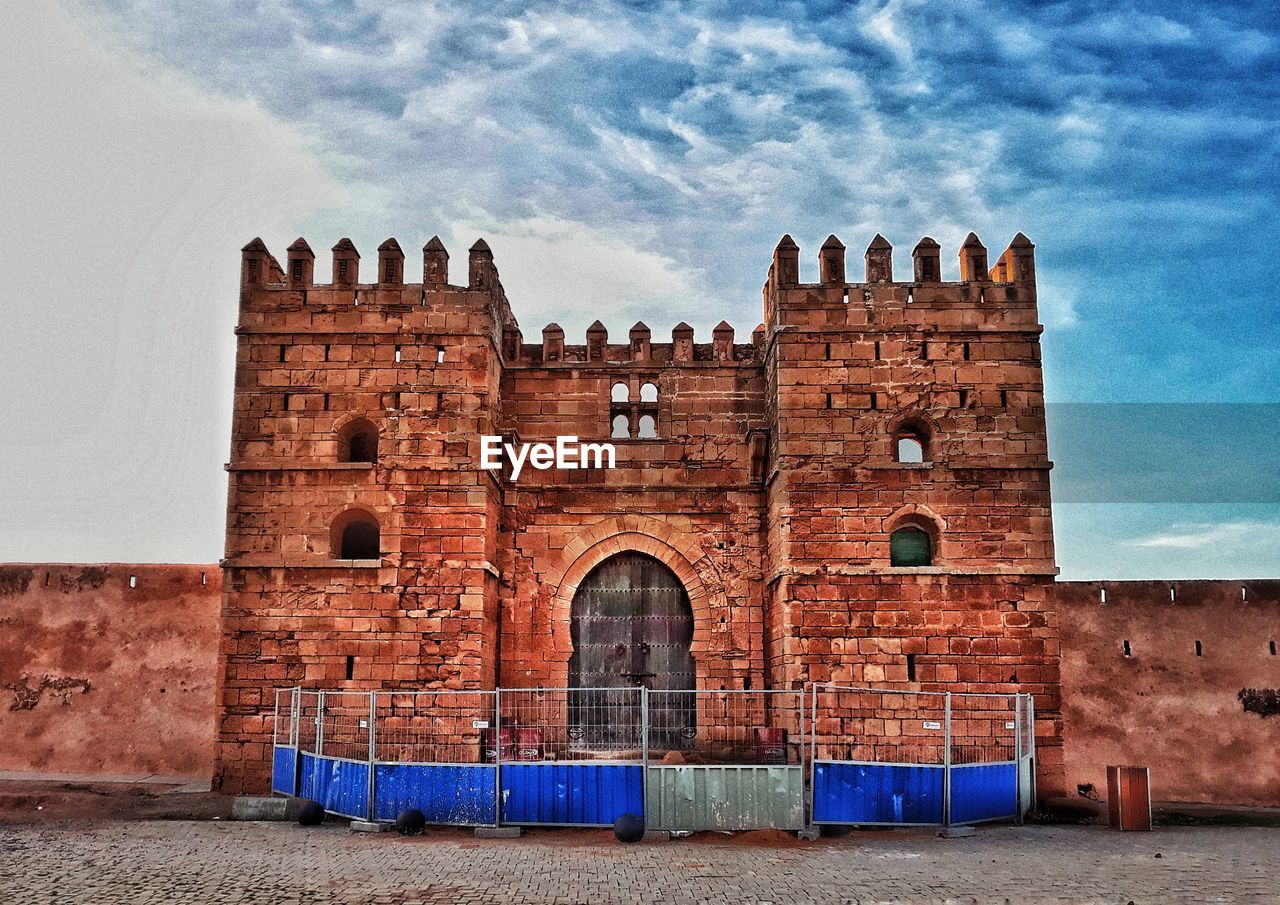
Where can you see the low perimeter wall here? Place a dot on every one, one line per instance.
(1196, 697)
(108, 669)
(112, 670)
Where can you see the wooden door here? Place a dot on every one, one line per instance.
(632, 627)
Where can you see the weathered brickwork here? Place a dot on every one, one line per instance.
(762, 473)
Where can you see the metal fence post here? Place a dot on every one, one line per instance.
(812, 746)
(1017, 750)
(497, 756)
(373, 722)
(644, 754)
(1031, 733)
(946, 764)
(320, 724)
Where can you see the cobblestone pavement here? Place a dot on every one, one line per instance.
(180, 861)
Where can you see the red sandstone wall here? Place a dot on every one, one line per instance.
(102, 678)
(1162, 706)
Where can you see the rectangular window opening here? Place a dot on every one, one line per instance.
(326, 402)
(282, 351)
(326, 351)
(1199, 649)
(439, 355)
(828, 351)
(966, 351)
(911, 667)
(351, 667)
(1273, 648)
(875, 403)
(1173, 594)
(1102, 595)
(828, 400)
(964, 399)
(1127, 651)
(877, 350)
(203, 580)
(397, 353)
(133, 581)
(286, 402)
(1004, 399)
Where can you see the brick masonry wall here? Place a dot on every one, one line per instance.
(1206, 725)
(102, 678)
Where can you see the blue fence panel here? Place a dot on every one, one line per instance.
(342, 786)
(984, 792)
(284, 770)
(877, 793)
(586, 794)
(462, 795)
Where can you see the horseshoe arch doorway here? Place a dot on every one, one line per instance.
(632, 626)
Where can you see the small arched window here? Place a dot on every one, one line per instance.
(910, 545)
(358, 441)
(649, 393)
(911, 444)
(621, 428)
(647, 428)
(356, 535)
(620, 393)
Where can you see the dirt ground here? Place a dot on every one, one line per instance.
(28, 802)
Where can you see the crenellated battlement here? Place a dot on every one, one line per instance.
(264, 282)
(1009, 285)
(640, 349)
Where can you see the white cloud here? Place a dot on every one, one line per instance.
(1234, 535)
(125, 196)
(563, 271)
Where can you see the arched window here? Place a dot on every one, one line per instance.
(625, 411)
(358, 441)
(911, 444)
(355, 535)
(910, 545)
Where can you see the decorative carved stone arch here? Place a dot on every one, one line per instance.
(675, 549)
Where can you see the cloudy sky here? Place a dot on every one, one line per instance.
(638, 161)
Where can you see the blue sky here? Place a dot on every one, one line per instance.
(640, 160)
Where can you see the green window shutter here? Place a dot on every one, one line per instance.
(910, 547)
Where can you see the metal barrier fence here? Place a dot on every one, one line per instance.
(686, 760)
(725, 760)
(906, 757)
